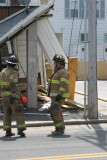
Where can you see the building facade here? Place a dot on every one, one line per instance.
(68, 24)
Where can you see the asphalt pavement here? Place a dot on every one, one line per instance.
(73, 116)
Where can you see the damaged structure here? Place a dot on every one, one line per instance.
(29, 35)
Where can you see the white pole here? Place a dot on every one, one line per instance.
(9, 47)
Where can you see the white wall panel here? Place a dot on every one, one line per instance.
(21, 50)
(48, 40)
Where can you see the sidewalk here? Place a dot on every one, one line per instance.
(35, 118)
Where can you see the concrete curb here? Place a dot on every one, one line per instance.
(67, 122)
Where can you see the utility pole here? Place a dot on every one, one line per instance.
(92, 61)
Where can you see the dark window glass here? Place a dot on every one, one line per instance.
(2, 1)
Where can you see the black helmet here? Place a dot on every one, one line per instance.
(12, 60)
(59, 58)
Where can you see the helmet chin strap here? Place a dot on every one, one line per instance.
(17, 66)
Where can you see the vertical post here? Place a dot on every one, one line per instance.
(85, 53)
(72, 70)
(9, 47)
(92, 61)
(0, 62)
(32, 65)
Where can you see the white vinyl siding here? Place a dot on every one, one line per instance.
(34, 3)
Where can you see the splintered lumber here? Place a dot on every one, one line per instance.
(67, 106)
(74, 103)
(42, 96)
(40, 87)
(99, 98)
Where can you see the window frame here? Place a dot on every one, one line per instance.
(68, 9)
(72, 10)
(105, 37)
(6, 3)
(82, 34)
(99, 9)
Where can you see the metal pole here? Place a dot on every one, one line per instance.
(85, 53)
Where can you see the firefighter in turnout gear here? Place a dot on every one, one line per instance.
(58, 90)
(11, 98)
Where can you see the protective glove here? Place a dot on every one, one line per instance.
(58, 98)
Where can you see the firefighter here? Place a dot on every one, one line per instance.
(11, 98)
(58, 90)
(0, 95)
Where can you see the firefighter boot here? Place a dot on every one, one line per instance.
(9, 134)
(58, 131)
(21, 133)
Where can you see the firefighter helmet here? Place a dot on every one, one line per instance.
(59, 58)
(12, 60)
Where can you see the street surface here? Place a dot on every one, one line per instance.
(81, 142)
(102, 93)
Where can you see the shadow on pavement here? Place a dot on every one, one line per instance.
(59, 136)
(4, 138)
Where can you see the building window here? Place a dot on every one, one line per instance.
(105, 38)
(101, 9)
(82, 49)
(82, 37)
(75, 8)
(105, 50)
(105, 54)
(71, 8)
(2, 1)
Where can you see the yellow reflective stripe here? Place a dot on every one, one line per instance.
(64, 80)
(62, 89)
(56, 81)
(65, 95)
(21, 126)
(4, 83)
(48, 80)
(6, 93)
(59, 124)
(14, 80)
(47, 63)
(53, 94)
(6, 126)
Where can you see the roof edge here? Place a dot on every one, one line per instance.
(31, 18)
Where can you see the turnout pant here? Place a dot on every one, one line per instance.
(56, 114)
(10, 110)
